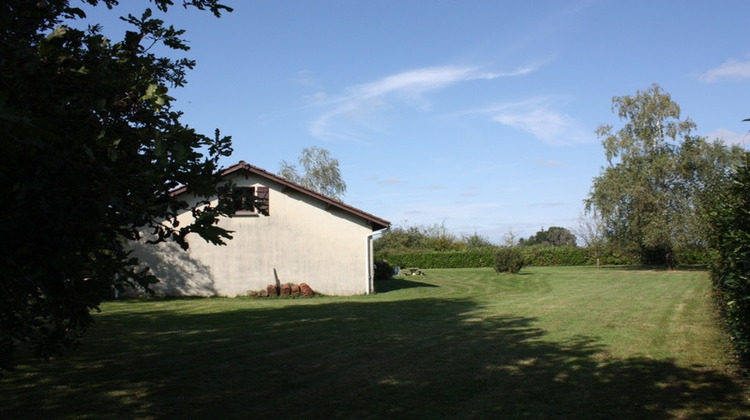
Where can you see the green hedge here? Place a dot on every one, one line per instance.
(540, 255)
(470, 258)
(695, 256)
(730, 222)
(537, 255)
(616, 258)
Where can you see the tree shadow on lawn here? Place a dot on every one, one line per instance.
(389, 285)
(421, 358)
(685, 267)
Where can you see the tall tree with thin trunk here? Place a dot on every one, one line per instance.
(320, 172)
(658, 175)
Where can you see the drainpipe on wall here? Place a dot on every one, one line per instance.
(369, 286)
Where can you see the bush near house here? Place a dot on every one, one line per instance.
(383, 270)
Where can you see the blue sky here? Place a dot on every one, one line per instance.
(477, 115)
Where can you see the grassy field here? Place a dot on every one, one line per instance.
(551, 342)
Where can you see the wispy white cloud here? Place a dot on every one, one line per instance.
(361, 101)
(729, 137)
(320, 127)
(536, 116)
(730, 69)
(305, 78)
(392, 181)
(416, 82)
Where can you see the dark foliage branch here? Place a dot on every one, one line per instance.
(91, 148)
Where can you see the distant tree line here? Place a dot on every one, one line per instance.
(438, 238)
(435, 247)
(428, 238)
(554, 236)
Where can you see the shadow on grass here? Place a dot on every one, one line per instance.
(421, 358)
(695, 267)
(633, 267)
(395, 283)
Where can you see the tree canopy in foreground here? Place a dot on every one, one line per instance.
(91, 148)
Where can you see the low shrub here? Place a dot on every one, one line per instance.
(509, 260)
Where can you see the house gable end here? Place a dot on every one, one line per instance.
(329, 203)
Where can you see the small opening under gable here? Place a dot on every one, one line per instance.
(249, 201)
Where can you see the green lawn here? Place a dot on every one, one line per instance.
(551, 342)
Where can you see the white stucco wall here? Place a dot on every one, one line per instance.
(301, 240)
